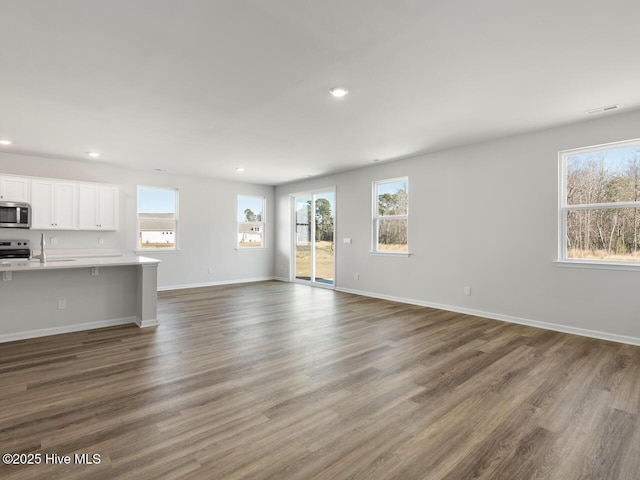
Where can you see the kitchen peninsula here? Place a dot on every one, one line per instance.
(71, 294)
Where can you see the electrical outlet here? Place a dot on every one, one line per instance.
(357, 276)
(467, 290)
(94, 271)
(62, 303)
(210, 270)
(6, 276)
(100, 241)
(53, 240)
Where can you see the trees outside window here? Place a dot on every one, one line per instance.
(391, 215)
(600, 203)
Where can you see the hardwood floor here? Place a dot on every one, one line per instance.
(277, 380)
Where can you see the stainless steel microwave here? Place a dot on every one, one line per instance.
(15, 215)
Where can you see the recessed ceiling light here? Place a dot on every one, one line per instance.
(159, 170)
(338, 92)
(603, 109)
(5, 142)
(239, 169)
(93, 154)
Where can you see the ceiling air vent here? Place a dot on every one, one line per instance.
(603, 109)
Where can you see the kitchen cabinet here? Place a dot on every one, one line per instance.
(14, 188)
(58, 204)
(53, 205)
(97, 207)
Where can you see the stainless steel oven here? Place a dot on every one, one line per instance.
(14, 249)
(15, 215)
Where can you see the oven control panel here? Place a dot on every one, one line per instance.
(14, 249)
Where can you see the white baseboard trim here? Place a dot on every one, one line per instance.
(504, 318)
(213, 284)
(147, 323)
(44, 332)
(282, 279)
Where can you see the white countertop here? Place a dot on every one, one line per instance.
(81, 262)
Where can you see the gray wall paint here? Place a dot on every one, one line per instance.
(461, 201)
(30, 300)
(486, 216)
(207, 225)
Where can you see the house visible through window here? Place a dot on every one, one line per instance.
(157, 218)
(250, 222)
(600, 203)
(391, 215)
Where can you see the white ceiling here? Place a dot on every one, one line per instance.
(202, 86)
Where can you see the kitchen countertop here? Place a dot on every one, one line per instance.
(74, 291)
(82, 262)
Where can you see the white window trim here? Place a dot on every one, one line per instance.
(564, 208)
(262, 224)
(176, 245)
(156, 251)
(390, 254)
(597, 264)
(375, 225)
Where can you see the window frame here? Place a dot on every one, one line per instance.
(261, 224)
(564, 208)
(376, 218)
(175, 248)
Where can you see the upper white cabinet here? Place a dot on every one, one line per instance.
(64, 204)
(97, 207)
(14, 189)
(53, 205)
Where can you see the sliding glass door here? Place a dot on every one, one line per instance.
(302, 237)
(314, 235)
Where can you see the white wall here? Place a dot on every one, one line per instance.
(207, 225)
(486, 216)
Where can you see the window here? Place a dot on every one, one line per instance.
(250, 222)
(600, 204)
(157, 218)
(390, 215)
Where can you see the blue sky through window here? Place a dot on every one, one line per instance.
(615, 159)
(248, 202)
(156, 200)
(392, 187)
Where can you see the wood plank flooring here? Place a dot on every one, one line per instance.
(281, 381)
